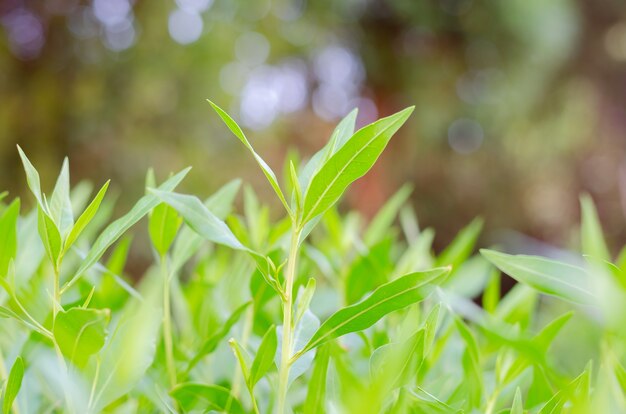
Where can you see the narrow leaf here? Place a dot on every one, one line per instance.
(551, 277)
(206, 398)
(349, 163)
(264, 358)
(389, 297)
(163, 226)
(13, 385)
(116, 229)
(316, 394)
(462, 246)
(592, 237)
(32, 177)
(8, 235)
(49, 234)
(85, 217)
(269, 174)
(518, 406)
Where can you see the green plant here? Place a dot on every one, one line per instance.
(227, 319)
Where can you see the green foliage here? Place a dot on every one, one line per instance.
(401, 330)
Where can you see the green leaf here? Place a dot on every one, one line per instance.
(60, 203)
(382, 221)
(592, 237)
(264, 358)
(200, 219)
(32, 178)
(349, 163)
(269, 174)
(8, 235)
(547, 335)
(316, 394)
(471, 365)
(389, 297)
(343, 131)
(163, 226)
(462, 246)
(491, 295)
(214, 340)
(85, 218)
(206, 398)
(13, 385)
(130, 350)
(116, 229)
(50, 236)
(305, 295)
(551, 277)
(518, 406)
(297, 191)
(80, 333)
(395, 364)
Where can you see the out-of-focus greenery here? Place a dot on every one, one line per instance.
(517, 103)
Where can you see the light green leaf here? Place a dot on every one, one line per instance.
(395, 364)
(297, 191)
(200, 218)
(85, 218)
(547, 335)
(116, 229)
(163, 226)
(13, 385)
(8, 235)
(214, 340)
(349, 163)
(32, 178)
(518, 405)
(462, 246)
(50, 236)
(304, 299)
(60, 203)
(316, 394)
(80, 333)
(382, 221)
(471, 365)
(389, 297)
(591, 235)
(343, 131)
(264, 358)
(269, 174)
(130, 350)
(551, 277)
(206, 398)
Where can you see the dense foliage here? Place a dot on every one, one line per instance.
(317, 312)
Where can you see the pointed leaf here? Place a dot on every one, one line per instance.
(592, 237)
(13, 385)
(349, 163)
(551, 277)
(163, 226)
(264, 358)
(60, 203)
(8, 235)
(50, 236)
(316, 394)
(85, 217)
(116, 229)
(389, 297)
(518, 406)
(32, 177)
(269, 174)
(343, 131)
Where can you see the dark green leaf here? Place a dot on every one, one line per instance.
(206, 398)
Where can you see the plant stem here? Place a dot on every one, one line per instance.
(167, 324)
(57, 295)
(283, 375)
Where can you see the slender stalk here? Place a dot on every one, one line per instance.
(57, 295)
(285, 360)
(167, 324)
(247, 327)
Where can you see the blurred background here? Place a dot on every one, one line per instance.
(520, 105)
